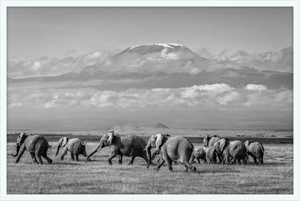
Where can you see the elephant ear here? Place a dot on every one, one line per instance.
(21, 138)
(159, 140)
(205, 141)
(223, 144)
(63, 141)
(110, 137)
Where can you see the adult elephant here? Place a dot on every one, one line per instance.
(255, 150)
(36, 145)
(172, 149)
(75, 146)
(232, 150)
(131, 146)
(209, 141)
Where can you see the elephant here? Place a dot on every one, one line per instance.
(210, 154)
(198, 154)
(255, 150)
(75, 146)
(235, 150)
(209, 141)
(131, 146)
(36, 145)
(171, 149)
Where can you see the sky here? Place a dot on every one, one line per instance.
(36, 32)
(244, 90)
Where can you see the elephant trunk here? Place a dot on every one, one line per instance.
(18, 148)
(58, 147)
(148, 152)
(96, 150)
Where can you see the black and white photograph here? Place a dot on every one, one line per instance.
(169, 100)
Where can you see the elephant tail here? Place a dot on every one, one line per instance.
(190, 144)
(262, 147)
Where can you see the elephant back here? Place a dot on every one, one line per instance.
(180, 142)
(34, 142)
(74, 145)
(255, 147)
(213, 140)
(133, 140)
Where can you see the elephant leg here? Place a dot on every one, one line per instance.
(113, 154)
(160, 163)
(40, 159)
(133, 155)
(76, 157)
(131, 160)
(227, 157)
(33, 157)
(220, 158)
(261, 159)
(21, 152)
(63, 154)
(169, 163)
(253, 156)
(234, 159)
(120, 157)
(188, 166)
(255, 161)
(47, 158)
(144, 156)
(244, 161)
(72, 157)
(192, 158)
(198, 160)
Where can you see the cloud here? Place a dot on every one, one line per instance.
(45, 66)
(255, 87)
(214, 95)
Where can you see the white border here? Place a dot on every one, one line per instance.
(3, 59)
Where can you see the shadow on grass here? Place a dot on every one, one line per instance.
(66, 163)
(271, 164)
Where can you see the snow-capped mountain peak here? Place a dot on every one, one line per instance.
(166, 45)
(157, 48)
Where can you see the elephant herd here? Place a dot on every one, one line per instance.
(175, 149)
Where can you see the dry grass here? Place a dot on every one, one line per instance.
(97, 177)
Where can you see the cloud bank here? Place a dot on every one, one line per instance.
(219, 94)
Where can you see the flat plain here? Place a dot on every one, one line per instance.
(275, 176)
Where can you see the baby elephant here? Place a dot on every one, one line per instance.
(255, 150)
(75, 146)
(198, 154)
(211, 154)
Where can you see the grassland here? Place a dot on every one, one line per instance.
(97, 177)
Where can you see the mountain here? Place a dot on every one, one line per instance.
(166, 50)
(160, 125)
(281, 61)
(168, 65)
